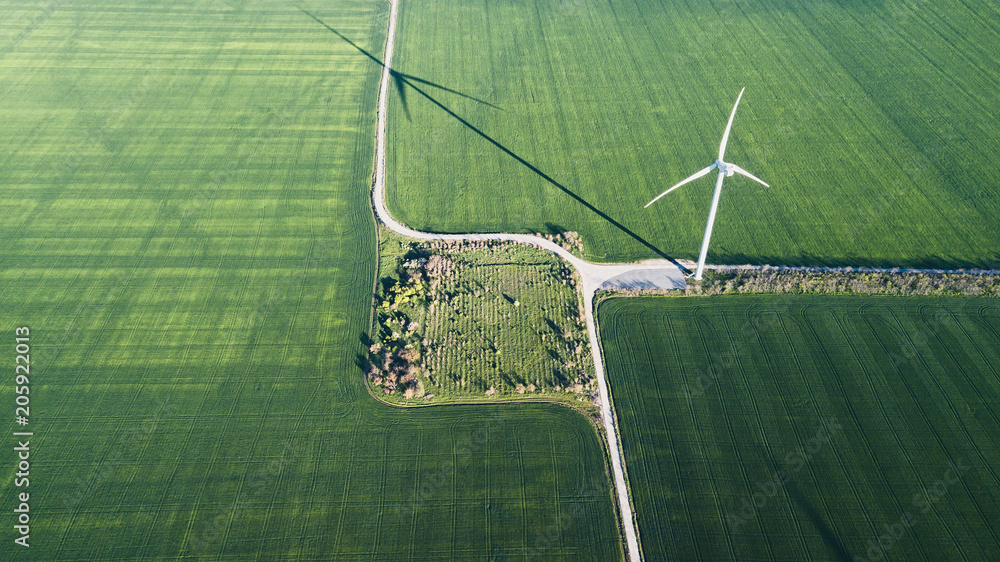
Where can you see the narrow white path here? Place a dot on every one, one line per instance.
(651, 274)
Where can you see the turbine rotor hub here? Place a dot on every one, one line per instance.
(725, 167)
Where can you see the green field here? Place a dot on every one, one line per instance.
(872, 121)
(188, 235)
(478, 321)
(809, 427)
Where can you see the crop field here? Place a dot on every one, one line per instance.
(188, 235)
(871, 120)
(478, 321)
(809, 427)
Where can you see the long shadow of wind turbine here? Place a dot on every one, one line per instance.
(830, 539)
(398, 76)
(404, 79)
(540, 173)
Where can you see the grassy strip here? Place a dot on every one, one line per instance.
(778, 281)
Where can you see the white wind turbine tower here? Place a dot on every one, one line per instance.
(725, 169)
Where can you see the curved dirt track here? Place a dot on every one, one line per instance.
(651, 274)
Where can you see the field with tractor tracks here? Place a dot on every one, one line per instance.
(872, 121)
(809, 427)
(188, 237)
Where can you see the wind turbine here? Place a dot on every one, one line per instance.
(725, 169)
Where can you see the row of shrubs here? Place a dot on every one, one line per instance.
(776, 280)
(570, 241)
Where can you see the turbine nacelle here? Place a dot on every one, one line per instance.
(725, 168)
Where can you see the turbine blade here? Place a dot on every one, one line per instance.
(693, 177)
(739, 170)
(725, 135)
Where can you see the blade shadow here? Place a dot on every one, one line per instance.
(395, 74)
(402, 79)
(833, 543)
(541, 174)
(401, 90)
(830, 538)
